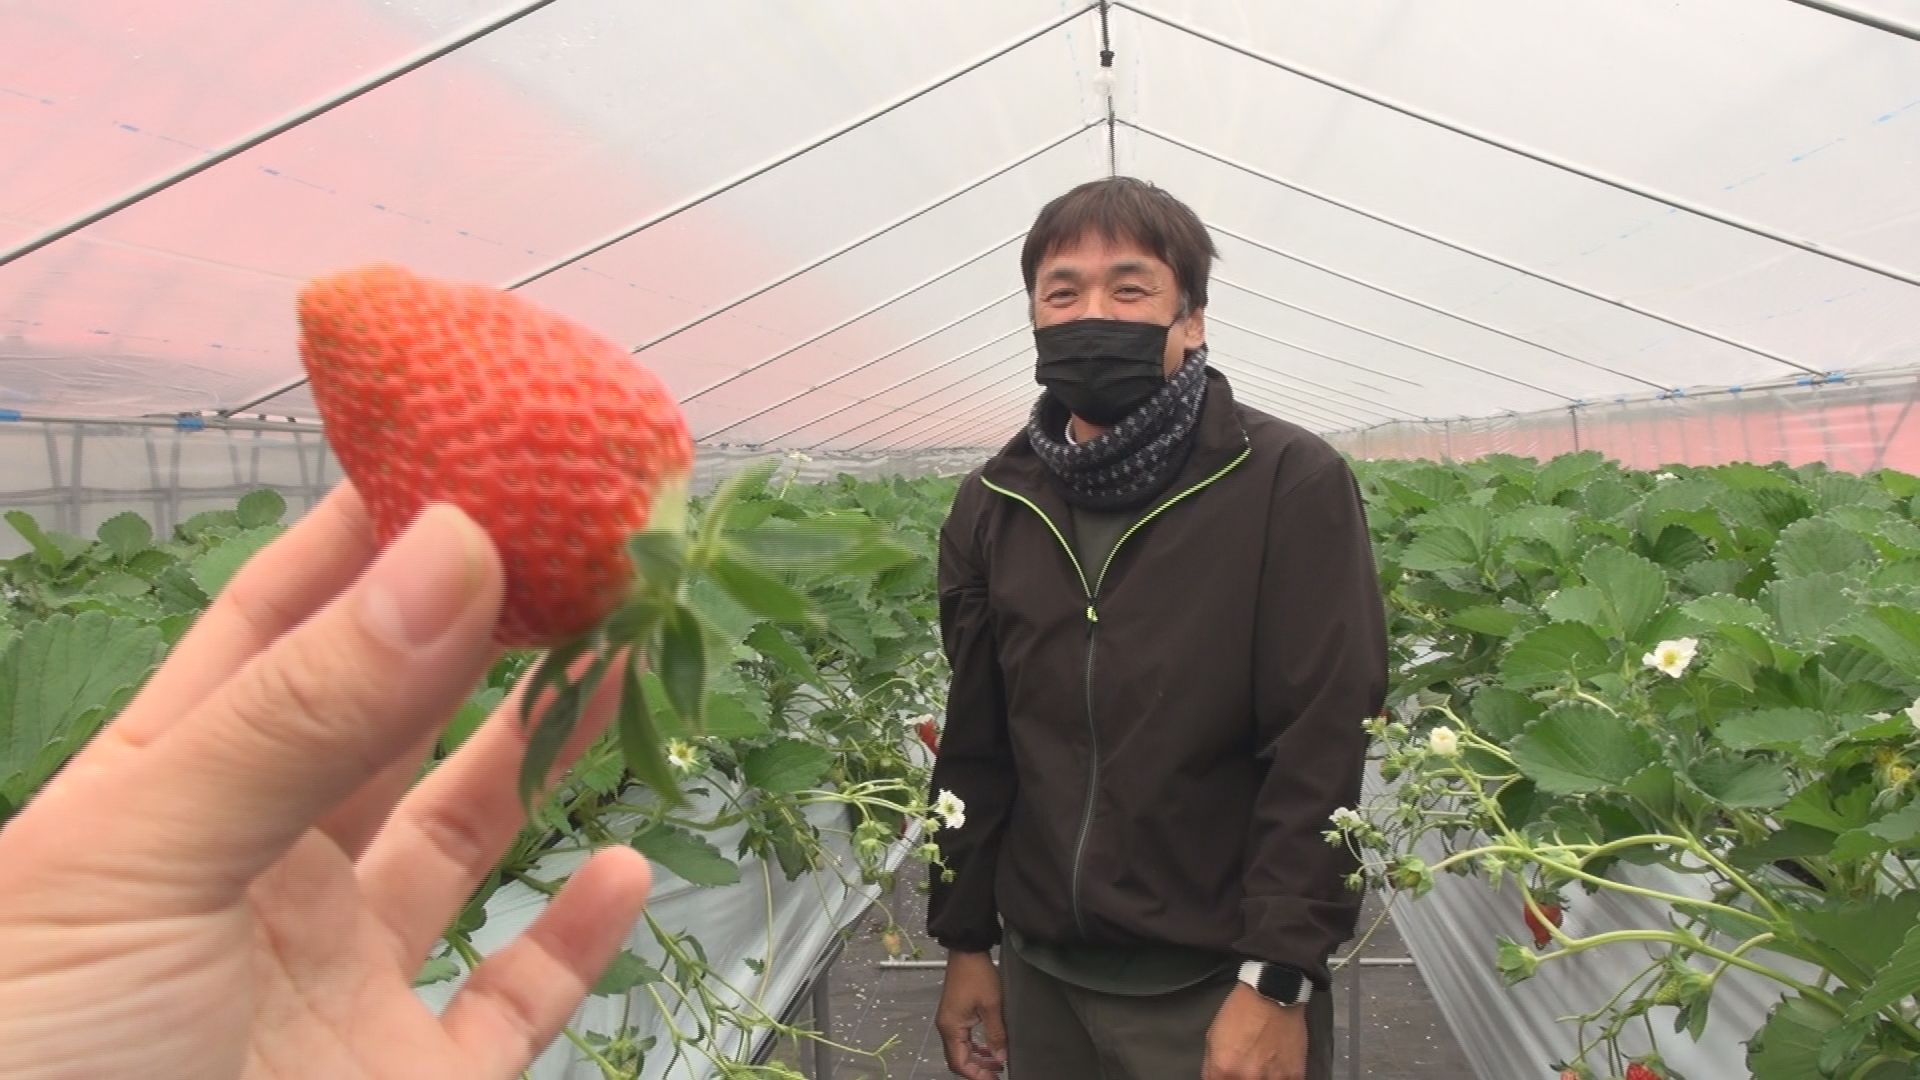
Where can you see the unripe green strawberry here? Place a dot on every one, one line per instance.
(551, 437)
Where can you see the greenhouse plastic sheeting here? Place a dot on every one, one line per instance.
(1853, 425)
(1453, 934)
(73, 477)
(805, 216)
(785, 927)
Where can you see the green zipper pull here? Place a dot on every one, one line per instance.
(1092, 615)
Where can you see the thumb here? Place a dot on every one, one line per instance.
(327, 707)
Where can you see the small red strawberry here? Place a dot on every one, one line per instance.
(1541, 935)
(551, 437)
(929, 735)
(1638, 1071)
(1569, 1074)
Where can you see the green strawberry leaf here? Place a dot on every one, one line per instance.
(1820, 546)
(1577, 604)
(1806, 608)
(1558, 653)
(126, 535)
(1501, 714)
(1787, 1046)
(627, 972)
(729, 719)
(259, 509)
(560, 717)
(660, 558)
(437, 969)
(641, 743)
(1713, 612)
(1743, 783)
(1900, 829)
(215, 567)
(1801, 732)
(1579, 748)
(786, 766)
(1443, 548)
(61, 677)
(760, 592)
(1796, 841)
(682, 665)
(1896, 981)
(1634, 589)
(688, 856)
(54, 550)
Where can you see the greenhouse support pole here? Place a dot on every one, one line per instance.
(1388, 338)
(161, 525)
(844, 323)
(1553, 161)
(1573, 418)
(754, 173)
(975, 373)
(822, 1019)
(1864, 18)
(1881, 446)
(74, 504)
(235, 149)
(813, 388)
(1355, 1018)
(1437, 309)
(1218, 321)
(1467, 249)
(883, 230)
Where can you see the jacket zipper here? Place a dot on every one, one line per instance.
(1092, 591)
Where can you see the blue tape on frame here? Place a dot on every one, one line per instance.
(9, 414)
(190, 423)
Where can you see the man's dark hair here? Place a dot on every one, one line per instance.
(1125, 209)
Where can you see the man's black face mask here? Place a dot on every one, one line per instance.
(1101, 369)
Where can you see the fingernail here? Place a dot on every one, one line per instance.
(424, 582)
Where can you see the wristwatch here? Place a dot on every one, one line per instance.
(1278, 983)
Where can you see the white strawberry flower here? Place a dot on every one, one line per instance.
(1670, 658)
(1913, 714)
(1346, 817)
(681, 756)
(1443, 741)
(1664, 477)
(951, 809)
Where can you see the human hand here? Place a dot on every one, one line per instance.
(969, 999)
(233, 878)
(1253, 1038)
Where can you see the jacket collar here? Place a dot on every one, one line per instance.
(1219, 437)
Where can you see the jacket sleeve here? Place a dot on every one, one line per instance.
(1321, 663)
(975, 760)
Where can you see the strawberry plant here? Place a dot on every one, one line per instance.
(807, 746)
(1696, 688)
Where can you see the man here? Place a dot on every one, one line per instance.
(1165, 628)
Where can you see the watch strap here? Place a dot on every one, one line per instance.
(1278, 983)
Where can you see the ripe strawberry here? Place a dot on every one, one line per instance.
(1541, 935)
(929, 735)
(553, 438)
(1637, 1071)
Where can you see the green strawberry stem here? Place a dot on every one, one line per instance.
(663, 627)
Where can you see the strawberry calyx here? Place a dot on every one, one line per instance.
(759, 561)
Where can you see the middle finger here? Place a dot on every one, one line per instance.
(450, 830)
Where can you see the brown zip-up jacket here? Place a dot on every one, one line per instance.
(1149, 751)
